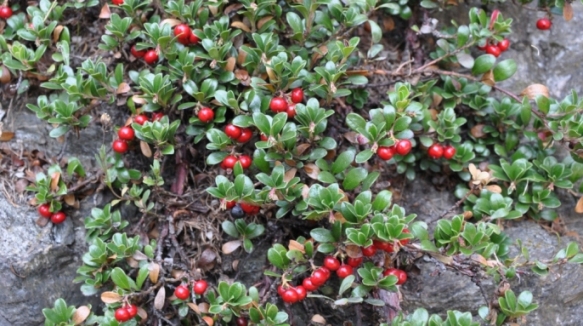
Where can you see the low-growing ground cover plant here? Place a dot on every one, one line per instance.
(238, 115)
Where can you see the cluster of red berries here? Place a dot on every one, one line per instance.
(279, 104)
(125, 134)
(230, 161)
(125, 313)
(402, 147)
(149, 55)
(5, 12)
(206, 115)
(250, 209)
(240, 135)
(496, 49)
(437, 151)
(45, 211)
(185, 36)
(183, 293)
(544, 24)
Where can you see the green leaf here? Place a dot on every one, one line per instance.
(353, 178)
(505, 70)
(322, 235)
(483, 63)
(346, 284)
(375, 31)
(119, 277)
(230, 229)
(59, 131)
(343, 161)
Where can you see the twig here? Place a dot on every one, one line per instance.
(172, 232)
(456, 205)
(85, 182)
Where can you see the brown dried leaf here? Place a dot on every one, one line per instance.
(105, 12)
(353, 251)
(55, 181)
(318, 319)
(160, 299)
(207, 259)
(488, 78)
(6, 135)
(203, 307)
(241, 25)
(142, 313)
(154, 269)
(42, 221)
(70, 199)
(444, 259)
(80, 315)
(241, 57)
(110, 297)
(193, 307)
(305, 192)
(263, 20)
(232, 8)
(231, 62)
(243, 76)
(579, 206)
(139, 100)
(312, 170)
(388, 24)
(294, 245)
(5, 76)
(289, 174)
(535, 89)
(123, 88)
(271, 74)
(20, 185)
(171, 21)
(208, 320)
(478, 131)
(474, 171)
(145, 147)
(301, 148)
(231, 246)
(494, 188)
(321, 52)
(57, 33)
(138, 255)
(132, 262)
(567, 11)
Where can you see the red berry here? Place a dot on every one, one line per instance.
(245, 161)
(301, 291)
(45, 210)
(400, 274)
(182, 33)
(369, 251)
(382, 245)
(326, 272)
(232, 131)
(448, 152)
(354, 262)
(280, 290)
(404, 241)
(126, 133)
(291, 111)
(58, 218)
(156, 116)
(193, 39)
(435, 151)
(319, 278)
(140, 119)
(493, 50)
(344, 271)
(290, 296)
(503, 45)
(263, 137)
(151, 56)
(200, 287)
(120, 146)
(132, 310)
(117, 2)
(206, 115)
(278, 104)
(122, 315)
(386, 153)
(331, 263)
(182, 292)
(5, 12)
(231, 204)
(241, 321)
(309, 285)
(403, 147)
(229, 162)
(249, 208)
(544, 24)
(136, 53)
(246, 134)
(297, 95)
